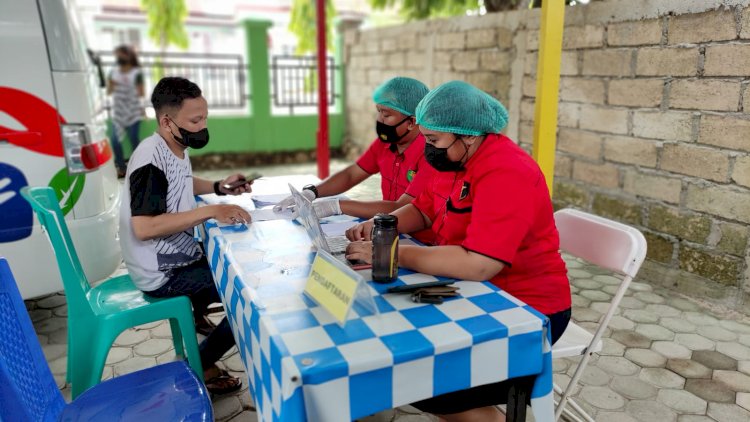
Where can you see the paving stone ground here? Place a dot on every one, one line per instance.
(666, 357)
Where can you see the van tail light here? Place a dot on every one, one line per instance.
(95, 155)
(81, 154)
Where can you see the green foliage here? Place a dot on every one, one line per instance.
(422, 9)
(166, 22)
(303, 25)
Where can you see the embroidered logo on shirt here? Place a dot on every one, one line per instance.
(464, 191)
(410, 175)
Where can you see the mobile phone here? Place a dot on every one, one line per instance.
(240, 182)
(411, 287)
(357, 264)
(234, 185)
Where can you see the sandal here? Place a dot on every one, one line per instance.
(214, 309)
(223, 383)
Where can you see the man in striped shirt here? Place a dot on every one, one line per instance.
(158, 215)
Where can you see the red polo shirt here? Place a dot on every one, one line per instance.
(407, 172)
(500, 207)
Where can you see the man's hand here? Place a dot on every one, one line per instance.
(327, 207)
(230, 214)
(243, 188)
(362, 231)
(359, 251)
(288, 202)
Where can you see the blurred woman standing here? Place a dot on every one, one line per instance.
(125, 84)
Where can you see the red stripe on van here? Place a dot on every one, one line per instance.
(37, 116)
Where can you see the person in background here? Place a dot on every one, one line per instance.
(125, 84)
(491, 212)
(158, 215)
(397, 154)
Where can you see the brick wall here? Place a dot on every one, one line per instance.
(479, 50)
(654, 118)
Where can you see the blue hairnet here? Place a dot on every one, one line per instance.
(461, 108)
(401, 94)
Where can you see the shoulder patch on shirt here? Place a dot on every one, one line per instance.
(464, 191)
(410, 175)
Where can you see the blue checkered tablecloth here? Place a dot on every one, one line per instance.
(302, 365)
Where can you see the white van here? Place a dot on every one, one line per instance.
(53, 133)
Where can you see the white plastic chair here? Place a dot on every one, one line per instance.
(607, 244)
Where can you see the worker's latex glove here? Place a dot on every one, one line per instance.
(327, 207)
(288, 202)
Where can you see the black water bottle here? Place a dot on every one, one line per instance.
(385, 248)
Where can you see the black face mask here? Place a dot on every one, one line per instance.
(194, 140)
(121, 61)
(388, 134)
(438, 157)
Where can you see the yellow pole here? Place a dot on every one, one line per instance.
(547, 85)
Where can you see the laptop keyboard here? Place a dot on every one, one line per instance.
(337, 244)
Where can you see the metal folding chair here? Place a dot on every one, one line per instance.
(607, 244)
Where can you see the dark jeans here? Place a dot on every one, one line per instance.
(132, 132)
(489, 394)
(196, 282)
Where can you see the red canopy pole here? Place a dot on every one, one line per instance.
(323, 153)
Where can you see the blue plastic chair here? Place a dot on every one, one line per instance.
(28, 392)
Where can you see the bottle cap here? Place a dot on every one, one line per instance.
(386, 221)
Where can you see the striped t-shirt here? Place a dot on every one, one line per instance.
(157, 182)
(127, 108)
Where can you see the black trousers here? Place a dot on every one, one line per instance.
(196, 282)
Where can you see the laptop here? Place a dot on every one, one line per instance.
(335, 245)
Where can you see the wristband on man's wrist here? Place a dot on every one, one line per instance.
(216, 188)
(312, 189)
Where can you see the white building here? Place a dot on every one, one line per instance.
(212, 26)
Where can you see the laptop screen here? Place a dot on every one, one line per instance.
(309, 219)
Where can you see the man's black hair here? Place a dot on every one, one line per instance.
(170, 93)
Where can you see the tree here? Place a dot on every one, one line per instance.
(303, 25)
(166, 25)
(422, 9)
(499, 5)
(166, 22)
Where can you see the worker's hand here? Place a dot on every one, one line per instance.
(327, 207)
(288, 202)
(359, 251)
(230, 214)
(362, 231)
(233, 180)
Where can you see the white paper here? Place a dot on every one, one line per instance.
(337, 229)
(267, 214)
(273, 199)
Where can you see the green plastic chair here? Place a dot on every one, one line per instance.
(96, 316)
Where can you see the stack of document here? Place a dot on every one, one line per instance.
(266, 200)
(267, 214)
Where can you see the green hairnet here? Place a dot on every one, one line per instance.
(401, 94)
(461, 108)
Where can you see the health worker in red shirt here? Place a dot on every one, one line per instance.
(491, 216)
(397, 154)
